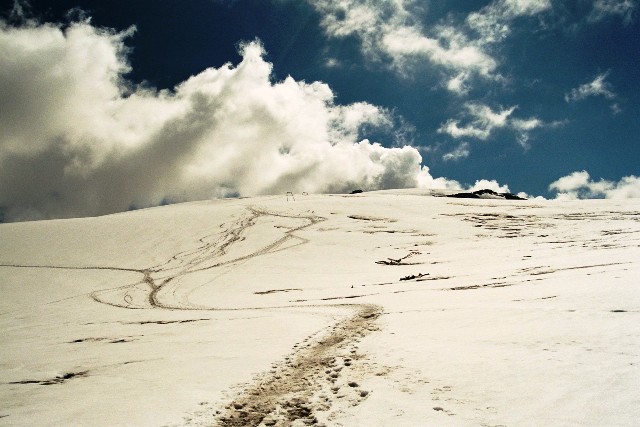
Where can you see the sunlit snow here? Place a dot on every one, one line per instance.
(391, 308)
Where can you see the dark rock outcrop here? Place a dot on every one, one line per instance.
(486, 194)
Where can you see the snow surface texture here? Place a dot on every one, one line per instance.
(385, 308)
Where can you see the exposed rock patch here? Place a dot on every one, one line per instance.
(486, 194)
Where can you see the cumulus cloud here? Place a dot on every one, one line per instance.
(606, 8)
(482, 184)
(77, 139)
(579, 185)
(597, 87)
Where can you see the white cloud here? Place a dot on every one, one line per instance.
(597, 87)
(579, 185)
(459, 153)
(493, 22)
(77, 139)
(458, 84)
(451, 50)
(605, 8)
(332, 63)
(570, 182)
(452, 127)
(488, 117)
(480, 121)
(529, 196)
(483, 184)
(627, 188)
(347, 121)
(526, 7)
(389, 31)
(425, 180)
(615, 108)
(526, 124)
(523, 128)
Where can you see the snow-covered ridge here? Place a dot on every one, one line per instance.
(383, 308)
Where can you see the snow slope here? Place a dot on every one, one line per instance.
(384, 308)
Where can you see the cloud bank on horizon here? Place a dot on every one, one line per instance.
(78, 138)
(579, 185)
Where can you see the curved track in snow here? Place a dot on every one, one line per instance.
(161, 287)
(290, 391)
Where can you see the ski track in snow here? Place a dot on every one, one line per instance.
(148, 293)
(287, 392)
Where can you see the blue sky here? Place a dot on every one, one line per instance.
(520, 92)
